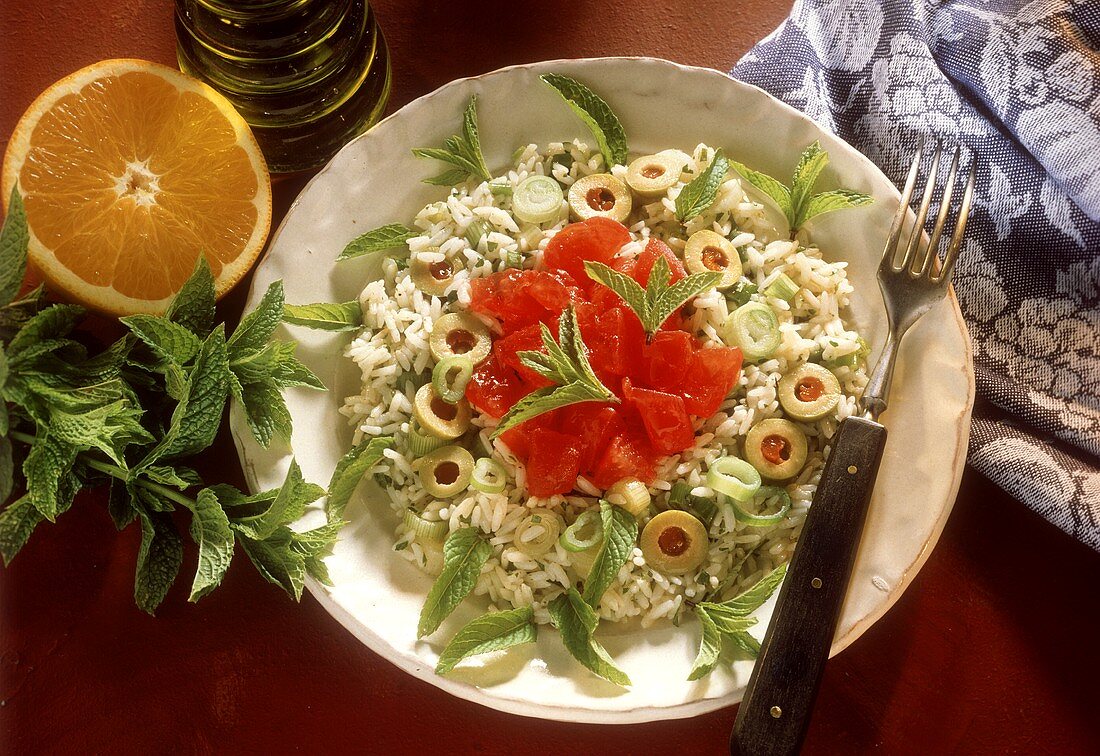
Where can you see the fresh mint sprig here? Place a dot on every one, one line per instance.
(731, 620)
(658, 300)
(325, 316)
(566, 364)
(377, 240)
(702, 190)
(464, 553)
(796, 201)
(620, 533)
(490, 632)
(461, 150)
(596, 114)
(134, 414)
(576, 620)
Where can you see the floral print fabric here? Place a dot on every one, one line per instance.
(1017, 84)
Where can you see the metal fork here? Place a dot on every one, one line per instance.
(775, 711)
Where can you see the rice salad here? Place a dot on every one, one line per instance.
(477, 232)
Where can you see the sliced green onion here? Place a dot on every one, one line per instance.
(782, 288)
(513, 259)
(476, 231)
(449, 384)
(759, 521)
(741, 293)
(585, 532)
(489, 476)
(428, 530)
(733, 477)
(679, 493)
(500, 187)
(754, 328)
(421, 443)
(631, 494)
(850, 361)
(551, 524)
(537, 199)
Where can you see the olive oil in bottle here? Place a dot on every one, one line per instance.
(307, 75)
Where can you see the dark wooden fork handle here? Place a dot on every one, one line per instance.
(775, 712)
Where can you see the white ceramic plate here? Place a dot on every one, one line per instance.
(375, 180)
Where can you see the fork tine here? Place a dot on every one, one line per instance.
(941, 217)
(960, 227)
(889, 252)
(911, 256)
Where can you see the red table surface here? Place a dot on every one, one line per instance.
(992, 649)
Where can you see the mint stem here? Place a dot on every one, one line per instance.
(117, 472)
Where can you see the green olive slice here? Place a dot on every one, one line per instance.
(710, 251)
(438, 418)
(600, 194)
(538, 532)
(776, 448)
(674, 542)
(460, 333)
(431, 278)
(653, 175)
(446, 471)
(809, 392)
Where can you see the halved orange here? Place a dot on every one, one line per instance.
(129, 170)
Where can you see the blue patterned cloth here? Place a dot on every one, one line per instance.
(1018, 84)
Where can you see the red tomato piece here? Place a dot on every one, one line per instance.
(519, 437)
(494, 388)
(667, 359)
(554, 462)
(665, 418)
(655, 248)
(712, 375)
(596, 239)
(507, 349)
(518, 298)
(624, 457)
(594, 425)
(615, 342)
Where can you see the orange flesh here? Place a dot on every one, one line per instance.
(600, 198)
(673, 541)
(714, 258)
(446, 473)
(653, 171)
(809, 389)
(461, 341)
(775, 449)
(443, 410)
(117, 188)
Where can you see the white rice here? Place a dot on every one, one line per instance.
(393, 349)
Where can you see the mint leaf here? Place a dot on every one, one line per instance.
(545, 399)
(377, 240)
(472, 140)
(159, 559)
(181, 478)
(257, 327)
(449, 178)
(778, 193)
(577, 621)
(47, 461)
(17, 521)
(745, 642)
(701, 192)
(289, 371)
(710, 646)
(727, 622)
(325, 316)
(349, 471)
(491, 632)
(620, 533)
(463, 151)
(110, 428)
(14, 238)
(810, 165)
(266, 413)
(827, 202)
(596, 114)
(654, 304)
(277, 562)
(120, 504)
(193, 305)
(464, 552)
(289, 505)
(210, 530)
(169, 341)
(754, 597)
(7, 466)
(54, 322)
(680, 293)
(629, 290)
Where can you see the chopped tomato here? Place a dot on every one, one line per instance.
(593, 424)
(711, 377)
(596, 239)
(615, 342)
(624, 457)
(507, 349)
(494, 388)
(519, 438)
(655, 248)
(519, 298)
(665, 418)
(554, 462)
(667, 359)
